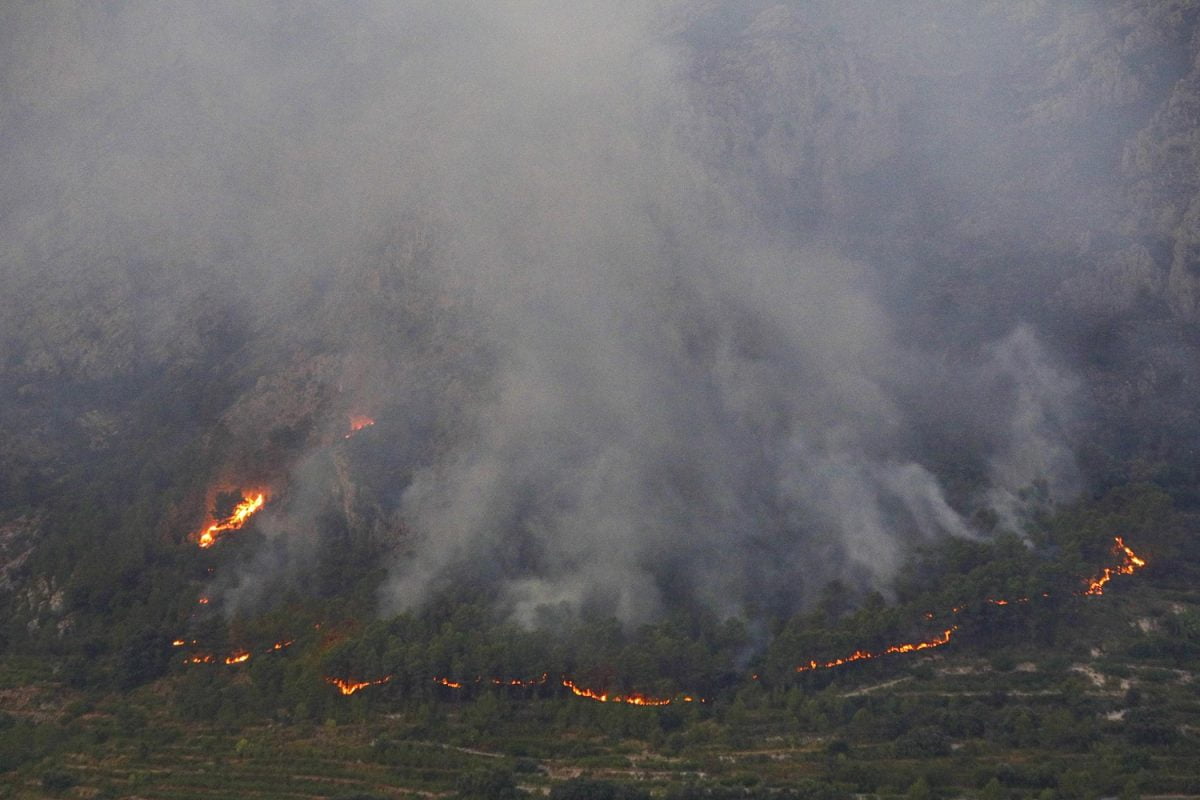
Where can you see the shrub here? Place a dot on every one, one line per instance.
(57, 780)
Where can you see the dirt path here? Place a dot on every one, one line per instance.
(876, 687)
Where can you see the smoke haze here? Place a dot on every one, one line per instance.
(663, 302)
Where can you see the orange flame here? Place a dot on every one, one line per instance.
(518, 683)
(864, 655)
(511, 682)
(1130, 563)
(357, 423)
(242, 512)
(349, 687)
(633, 699)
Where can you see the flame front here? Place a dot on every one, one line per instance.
(349, 687)
(1130, 563)
(864, 655)
(515, 683)
(242, 512)
(633, 699)
(357, 423)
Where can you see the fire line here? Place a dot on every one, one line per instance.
(357, 423)
(864, 655)
(1130, 563)
(633, 698)
(349, 687)
(242, 512)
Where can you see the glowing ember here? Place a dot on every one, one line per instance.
(516, 682)
(203, 600)
(241, 513)
(633, 699)
(281, 645)
(178, 643)
(864, 655)
(349, 687)
(1130, 563)
(510, 682)
(238, 657)
(357, 423)
(200, 658)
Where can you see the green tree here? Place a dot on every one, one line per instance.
(919, 790)
(992, 791)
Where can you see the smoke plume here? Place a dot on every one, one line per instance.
(641, 285)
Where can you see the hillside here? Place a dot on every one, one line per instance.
(689, 398)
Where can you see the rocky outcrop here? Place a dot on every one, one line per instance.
(17, 540)
(1115, 284)
(1163, 163)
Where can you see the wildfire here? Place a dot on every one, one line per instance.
(235, 657)
(515, 683)
(349, 687)
(1130, 563)
(864, 655)
(357, 423)
(242, 512)
(633, 699)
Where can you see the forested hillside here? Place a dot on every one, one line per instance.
(693, 398)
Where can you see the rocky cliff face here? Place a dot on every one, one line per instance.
(1063, 135)
(1162, 163)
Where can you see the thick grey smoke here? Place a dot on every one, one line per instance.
(655, 380)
